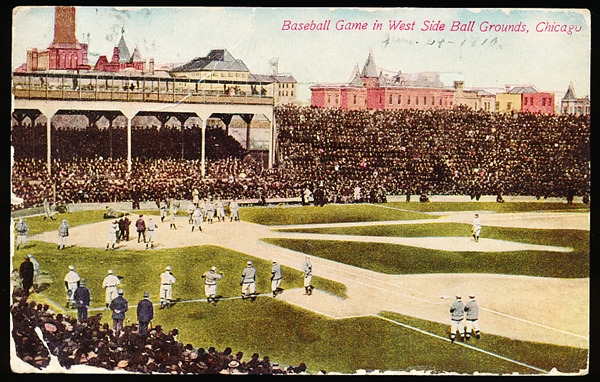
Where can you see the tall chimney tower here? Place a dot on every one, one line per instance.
(64, 25)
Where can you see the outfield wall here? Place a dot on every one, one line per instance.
(126, 206)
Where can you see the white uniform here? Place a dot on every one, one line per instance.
(211, 278)
(307, 268)
(220, 210)
(197, 220)
(472, 323)
(276, 277)
(37, 271)
(234, 208)
(112, 234)
(110, 284)
(166, 288)
(248, 281)
(191, 208)
(150, 228)
(476, 228)
(71, 281)
(22, 233)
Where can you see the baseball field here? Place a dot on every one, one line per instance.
(385, 277)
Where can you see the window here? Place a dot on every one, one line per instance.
(380, 99)
(292, 93)
(416, 100)
(524, 101)
(391, 99)
(328, 99)
(509, 105)
(399, 99)
(543, 101)
(408, 100)
(354, 98)
(440, 102)
(424, 100)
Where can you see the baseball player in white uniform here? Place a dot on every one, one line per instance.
(248, 281)
(22, 233)
(457, 316)
(197, 220)
(234, 210)
(71, 283)
(220, 210)
(150, 228)
(163, 210)
(211, 278)
(472, 323)
(276, 277)
(166, 287)
(210, 211)
(476, 228)
(110, 284)
(191, 208)
(113, 228)
(307, 268)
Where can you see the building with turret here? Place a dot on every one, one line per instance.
(123, 60)
(570, 104)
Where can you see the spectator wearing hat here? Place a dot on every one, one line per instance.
(276, 278)
(110, 284)
(26, 273)
(248, 281)
(118, 306)
(82, 301)
(22, 233)
(145, 314)
(457, 315)
(166, 287)
(72, 280)
(472, 323)
(211, 278)
(140, 226)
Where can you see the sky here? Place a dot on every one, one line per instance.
(490, 48)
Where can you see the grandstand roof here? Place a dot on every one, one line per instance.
(217, 59)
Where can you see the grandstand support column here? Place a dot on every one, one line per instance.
(128, 144)
(272, 141)
(129, 113)
(49, 113)
(203, 159)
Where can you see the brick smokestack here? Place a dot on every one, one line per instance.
(64, 25)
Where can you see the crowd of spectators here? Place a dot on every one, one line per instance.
(95, 344)
(350, 156)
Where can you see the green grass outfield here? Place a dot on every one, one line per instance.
(288, 334)
(398, 259)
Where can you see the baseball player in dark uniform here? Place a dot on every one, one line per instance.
(140, 226)
(82, 301)
(119, 306)
(248, 282)
(472, 323)
(26, 272)
(145, 314)
(457, 316)
(211, 278)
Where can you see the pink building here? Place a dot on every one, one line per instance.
(533, 101)
(373, 90)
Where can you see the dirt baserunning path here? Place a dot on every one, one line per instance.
(527, 308)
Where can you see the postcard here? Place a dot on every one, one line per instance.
(314, 191)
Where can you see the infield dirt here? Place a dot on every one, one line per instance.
(539, 309)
